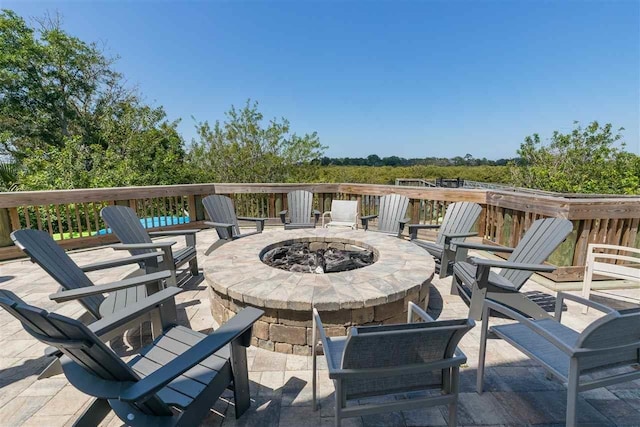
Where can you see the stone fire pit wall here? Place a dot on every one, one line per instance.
(376, 294)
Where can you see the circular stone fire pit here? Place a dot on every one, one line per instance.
(374, 294)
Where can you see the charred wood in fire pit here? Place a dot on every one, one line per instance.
(297, 257)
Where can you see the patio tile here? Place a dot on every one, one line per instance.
(481, 409)
(618, 411)
(20, 409)
(547, 406)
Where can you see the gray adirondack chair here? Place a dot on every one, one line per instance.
(391, 215)
(182, 370)
(300, 208)
(474, 280)
(125, 224)
(456, 225)
(611, 341)
(223, 218)
(389, 359)
(122, 295)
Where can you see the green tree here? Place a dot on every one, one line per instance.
(244, 149)
(67, 118)
(586, 160)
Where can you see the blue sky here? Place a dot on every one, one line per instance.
(406, 78)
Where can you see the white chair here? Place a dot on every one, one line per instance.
(604, 264)
(344, 213)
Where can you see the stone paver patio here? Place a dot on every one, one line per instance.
(518, 393)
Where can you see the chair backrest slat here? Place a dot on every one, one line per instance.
(300, 205)
(393, 208)
(220, 209)
(540, 240)
(45, 252)
(125, 224)
(460, 217)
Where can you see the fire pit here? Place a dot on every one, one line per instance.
(318, 257)
(345, 292)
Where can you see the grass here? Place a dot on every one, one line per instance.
(75, 234)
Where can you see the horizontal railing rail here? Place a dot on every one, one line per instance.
(72, 216)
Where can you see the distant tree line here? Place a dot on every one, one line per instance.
(375, 160)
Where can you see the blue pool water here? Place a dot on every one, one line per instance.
(156, 221)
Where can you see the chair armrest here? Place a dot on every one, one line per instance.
(131, 246)
(283, 215)
(403, 222)
(124, 316)
(119, 262)
(174, 232)
(259, 222)
(365, 220)
(449, 237)
(482, 247)
(413, 229)
(230, 331)
(229, 227)
(580, 300)
(481, 262)
(531, 324)
(74, 294)
(412, 309)
(249, 218)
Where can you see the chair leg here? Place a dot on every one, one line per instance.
(240, 378)
(339, 402)
(314, 358)
(94, 414)
(572, 393)
(478, 296)
(483, 351)
(455, 387)
(454, 284)
(586, 285)
(53, 368)
(193, 266)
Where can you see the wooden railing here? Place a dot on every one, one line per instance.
(72, 216)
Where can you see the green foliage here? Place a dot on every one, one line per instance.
(243, 149)
(583, 161)
(68, 120)
(388, 174)
(8, 176)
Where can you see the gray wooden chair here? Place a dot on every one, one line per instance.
(125, 224)
(612, 341)
(389, 359)
(122, 295)
(474, 281)
(456, 225)
(223, 218)
(172, 382)
(299, 208)
(391, 215)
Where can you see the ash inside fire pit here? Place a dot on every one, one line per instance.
(318, 257)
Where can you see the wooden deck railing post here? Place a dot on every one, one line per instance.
(5, 228)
